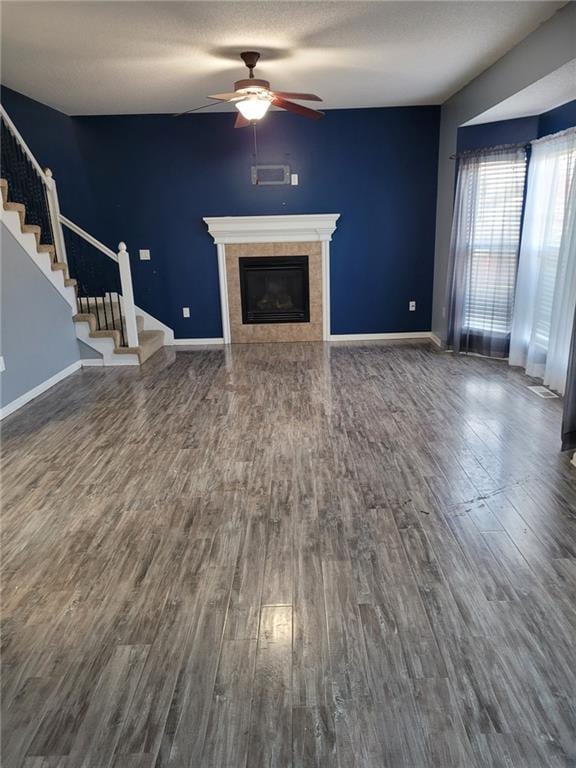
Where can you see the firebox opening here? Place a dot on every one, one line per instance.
(275, 289)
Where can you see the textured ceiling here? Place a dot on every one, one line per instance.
(556, 88)
(138, 57)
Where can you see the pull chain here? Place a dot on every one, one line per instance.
(255, 143)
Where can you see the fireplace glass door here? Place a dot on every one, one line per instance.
(275, 289)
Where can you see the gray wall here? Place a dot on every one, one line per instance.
(36, 329)
(549, 47)
(87, 353)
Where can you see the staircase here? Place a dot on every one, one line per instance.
(106, 313)
(93, 279)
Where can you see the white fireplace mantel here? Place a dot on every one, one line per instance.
(272, 229)
(293, 228)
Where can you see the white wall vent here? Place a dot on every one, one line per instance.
(542, 391)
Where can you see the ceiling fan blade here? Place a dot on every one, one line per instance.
(298, 96)
(196, 109)
(225, 96)
(241, 121)
(298, 109)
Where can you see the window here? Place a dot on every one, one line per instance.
(546, 284)
(495, 235)
(484, 249)
(551, 212)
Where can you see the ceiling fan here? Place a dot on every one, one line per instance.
(253, 97)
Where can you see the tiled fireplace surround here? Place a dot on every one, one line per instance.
(260, 236)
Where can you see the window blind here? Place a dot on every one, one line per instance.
(493, 247)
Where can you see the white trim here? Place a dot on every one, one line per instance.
(92, 362)
(88, 237)
(130, 324)
(436, 339)
(333, 337)
(325, 244)
(153, 324)
(272, 229)
(19, 138)
(43, 260)
(197, 342)
(223, 281)
(380, 336)
(39, 390)
(54, 208)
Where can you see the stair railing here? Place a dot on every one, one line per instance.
(31, 185)
(35, 187)
(122, 259)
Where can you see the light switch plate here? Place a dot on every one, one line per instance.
(294, 179)
(412, 306)
(144, 254)
(2, 366)
(186, 311)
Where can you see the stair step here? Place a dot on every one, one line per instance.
(32, 228)
(129, 351)
(150, 343)
(20, 208)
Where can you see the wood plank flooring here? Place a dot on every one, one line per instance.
(290, 555)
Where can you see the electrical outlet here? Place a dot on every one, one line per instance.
(186, 311)
(2, 366)
(294, 179)
(144, 254)
(412, 306)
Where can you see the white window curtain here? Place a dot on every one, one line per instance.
(484, 250)
(546, 283)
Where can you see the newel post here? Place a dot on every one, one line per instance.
(54, 210)
(127, 296)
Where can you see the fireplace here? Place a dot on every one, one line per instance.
(274, 289)
(299, 244)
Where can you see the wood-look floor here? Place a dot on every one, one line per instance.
(289, 555)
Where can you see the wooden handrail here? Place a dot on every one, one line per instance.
(19, 138)
(88, 237)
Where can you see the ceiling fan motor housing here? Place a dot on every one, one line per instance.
(253, 84)
(250, 58)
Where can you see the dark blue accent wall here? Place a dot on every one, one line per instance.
(155, 177)
(53, 139)
(522, 129)
(558, 119)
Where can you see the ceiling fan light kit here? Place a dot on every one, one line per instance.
(253, 97)
(253, 107)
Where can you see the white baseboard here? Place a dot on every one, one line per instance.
(333, 337)
(39, 390)
(92, 362)
(380, 336)
(436, 339)
(196, 342)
